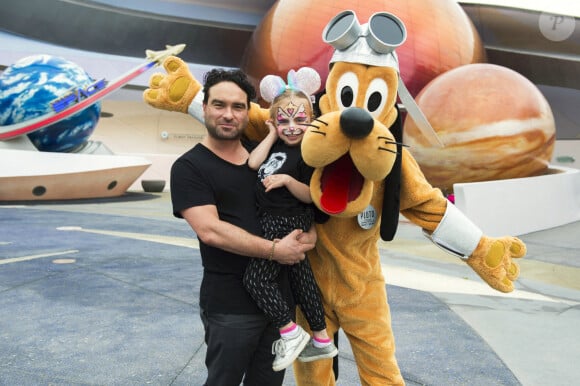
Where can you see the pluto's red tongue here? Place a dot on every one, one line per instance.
(335, 185)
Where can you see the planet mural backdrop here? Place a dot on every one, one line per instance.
(495, 122)
(496, 126)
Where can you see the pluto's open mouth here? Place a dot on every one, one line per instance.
(340, 184)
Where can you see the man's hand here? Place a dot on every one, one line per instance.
(492, 261)
(292, 248)
(309, 237)
(175, 90)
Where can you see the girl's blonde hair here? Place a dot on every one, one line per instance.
(292, 95)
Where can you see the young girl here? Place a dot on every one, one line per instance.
(284, 204)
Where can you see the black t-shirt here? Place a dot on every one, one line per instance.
(282, 159)
(199, 177)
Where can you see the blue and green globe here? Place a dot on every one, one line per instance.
(27, 89)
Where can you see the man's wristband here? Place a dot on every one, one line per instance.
(271, 256)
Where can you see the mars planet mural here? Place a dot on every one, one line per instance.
(440, 36)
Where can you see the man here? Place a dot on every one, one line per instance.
(212, 188)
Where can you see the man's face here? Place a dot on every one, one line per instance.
(226, 111)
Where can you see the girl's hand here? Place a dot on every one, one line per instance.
(275, 181)
(271, 127)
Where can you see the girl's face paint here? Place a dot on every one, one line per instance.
(291, 121)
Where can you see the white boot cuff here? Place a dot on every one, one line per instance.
(456, 233)
(195, 107)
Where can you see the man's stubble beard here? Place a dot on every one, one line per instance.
(220, 135)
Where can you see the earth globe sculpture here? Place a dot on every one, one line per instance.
(28, 89)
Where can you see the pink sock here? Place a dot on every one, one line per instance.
(289, 331)
(321, 342)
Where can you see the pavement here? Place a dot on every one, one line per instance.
(105, 292)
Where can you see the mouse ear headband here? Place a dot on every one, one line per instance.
(306, 79)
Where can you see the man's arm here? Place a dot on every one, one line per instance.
(211, 230)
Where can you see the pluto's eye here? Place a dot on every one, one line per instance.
(346, 96)
(376, 96)
(346, 90)
(374, 101)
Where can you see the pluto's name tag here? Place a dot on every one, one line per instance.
(367, 218)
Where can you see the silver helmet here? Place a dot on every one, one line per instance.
(372, 43)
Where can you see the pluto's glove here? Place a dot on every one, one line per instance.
(491, 258)
(174, 91)
(492, 261)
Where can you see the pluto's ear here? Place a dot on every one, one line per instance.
(391, 198)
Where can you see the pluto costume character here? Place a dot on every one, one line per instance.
(363, 178)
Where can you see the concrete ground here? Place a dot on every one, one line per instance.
(104, 292)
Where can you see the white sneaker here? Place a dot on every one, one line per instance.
(288, 349)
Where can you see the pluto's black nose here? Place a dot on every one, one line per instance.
(356, 123)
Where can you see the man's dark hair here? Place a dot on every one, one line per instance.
(219, 75)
